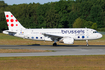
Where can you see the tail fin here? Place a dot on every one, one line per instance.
(12, 22)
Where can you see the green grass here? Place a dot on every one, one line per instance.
(86, 62)
(8, 37)
(22, 51)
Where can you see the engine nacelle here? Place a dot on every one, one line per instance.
(67, 40)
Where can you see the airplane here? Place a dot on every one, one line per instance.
(63, 35)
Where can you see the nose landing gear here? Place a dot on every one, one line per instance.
(87, 43)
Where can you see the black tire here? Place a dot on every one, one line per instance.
(54, 44)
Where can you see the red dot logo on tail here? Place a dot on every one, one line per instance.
(11, 15)
(7, 16)
(16, 24)
(16, 20)
(12, 25)
(11, 20)
(7, 20)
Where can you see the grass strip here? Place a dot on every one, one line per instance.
(86, 62)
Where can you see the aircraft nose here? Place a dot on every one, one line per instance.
(100, 35)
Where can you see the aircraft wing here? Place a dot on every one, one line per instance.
(52, 35)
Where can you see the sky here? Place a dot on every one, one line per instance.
(11, 2)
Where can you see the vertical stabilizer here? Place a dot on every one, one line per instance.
(12, 22)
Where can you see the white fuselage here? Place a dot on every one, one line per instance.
(75, 33)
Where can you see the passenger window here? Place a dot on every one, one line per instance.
(32, 37)
(83, 36)
(78, 36)
(36, 37)
(40, 37)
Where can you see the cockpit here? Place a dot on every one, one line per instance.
(95, 32)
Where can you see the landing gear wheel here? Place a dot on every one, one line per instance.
(54, 44)
(87, 43)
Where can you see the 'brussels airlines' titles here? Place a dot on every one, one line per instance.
(72, 31)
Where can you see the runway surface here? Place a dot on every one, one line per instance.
(58, 50)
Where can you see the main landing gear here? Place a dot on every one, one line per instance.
(55, 44)
(87, 43)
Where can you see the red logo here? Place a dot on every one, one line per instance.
(7, 20)
(16, 24)
(12, 25)
(11, 20)
(7, 16)
(16, 20)
(11, 15)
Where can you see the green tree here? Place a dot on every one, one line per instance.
(95, 15)
(79, 23)
(72, 16)
(94, 26)
(88, 24)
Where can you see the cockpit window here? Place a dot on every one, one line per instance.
(95, 32)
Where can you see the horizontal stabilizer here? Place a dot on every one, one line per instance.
(9, 32)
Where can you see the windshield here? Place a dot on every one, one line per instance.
(95, 32)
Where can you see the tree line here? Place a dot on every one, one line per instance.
(61, 14)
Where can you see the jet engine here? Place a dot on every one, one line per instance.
(67, 40)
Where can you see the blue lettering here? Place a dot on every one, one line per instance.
(78, 31)
(75, 31)
(65, 32)
(62, 31)
(72, 31)
(68, 32)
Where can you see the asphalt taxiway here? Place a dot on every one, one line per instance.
(59, 50)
